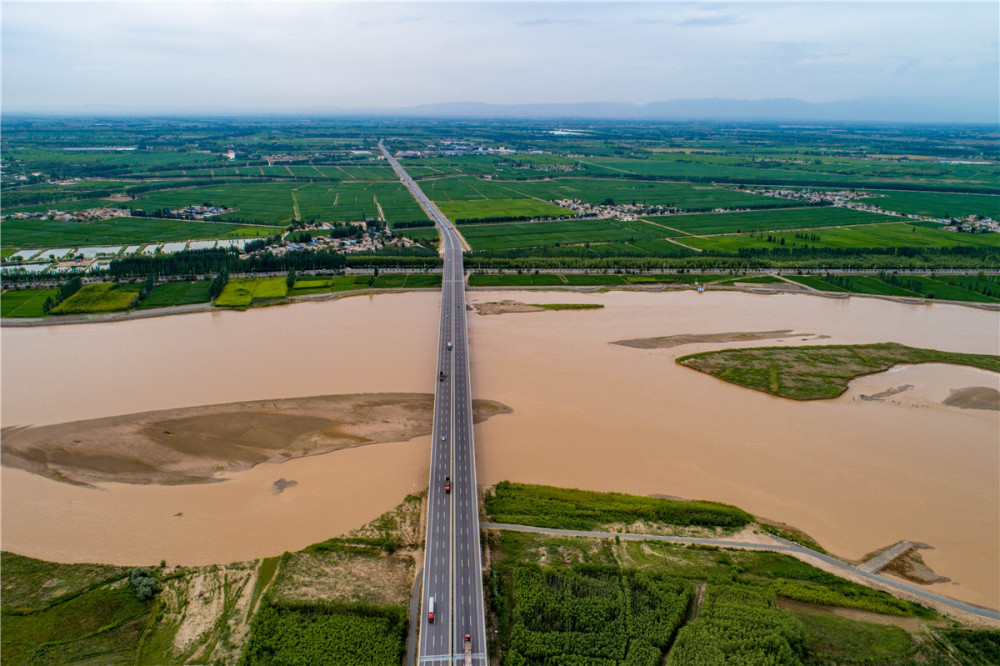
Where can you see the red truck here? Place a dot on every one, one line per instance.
(468, 650)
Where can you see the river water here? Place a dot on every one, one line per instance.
(854, 474)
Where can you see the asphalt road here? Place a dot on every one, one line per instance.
(452, 558)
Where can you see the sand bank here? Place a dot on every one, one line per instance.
(196, 444)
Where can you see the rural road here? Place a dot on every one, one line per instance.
(784, 547)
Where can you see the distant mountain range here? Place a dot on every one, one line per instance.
(866, 109)
(863, 109)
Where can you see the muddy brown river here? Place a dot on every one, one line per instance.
(855, 474)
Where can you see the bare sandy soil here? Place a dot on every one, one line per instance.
(196, 444)
(505, 307)
(668, 341)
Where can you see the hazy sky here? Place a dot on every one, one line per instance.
(287, 56)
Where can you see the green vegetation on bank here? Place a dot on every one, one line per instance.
(970, 288)
(566, 508)
(170, 294)
(817, 372)
(838, 639)
(318, 633)
(241, 293)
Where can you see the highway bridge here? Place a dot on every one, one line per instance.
(452, 559)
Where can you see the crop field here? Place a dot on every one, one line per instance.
(121, 230)
(680, 195)
(768, 220)
(597, 190)
(176, 293)
(793, 169)
(24, 303)
(494, 208)
(505, 236)
(102, 297)
(881, 235)
(940, 205)
(241, 293)
(274, 203)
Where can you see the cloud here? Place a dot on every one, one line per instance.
(711, 21)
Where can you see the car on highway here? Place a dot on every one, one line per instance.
(449, 346)
(447, 484)
(441, 376)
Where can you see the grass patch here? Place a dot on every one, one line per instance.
(841, 640)
(818, 372)
(566, 508)
(974, 647)
(568, 306)
(48, 633)
(102, 297)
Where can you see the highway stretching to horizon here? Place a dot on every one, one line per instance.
(452, 573)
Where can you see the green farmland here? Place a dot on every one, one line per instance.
(875, 236)
(97, 298)
(25, 303)
(768, 220)
(241, 293)
(176, 293)
(599, 190)
(122, 230)
(941, 205)
(277, 203)
(494, 208)
(504, 236)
